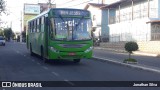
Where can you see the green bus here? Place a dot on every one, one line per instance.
(61, 34)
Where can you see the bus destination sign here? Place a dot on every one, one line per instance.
(71, 13)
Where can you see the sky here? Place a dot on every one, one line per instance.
(15, 7)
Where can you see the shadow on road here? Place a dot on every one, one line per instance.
(57, 62)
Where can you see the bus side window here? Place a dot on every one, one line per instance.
(39, 24)
(35, 25)
(32, 26)
(46, 21)
(42, 21)
(28, 29)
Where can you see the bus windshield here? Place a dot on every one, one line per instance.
(70, 28)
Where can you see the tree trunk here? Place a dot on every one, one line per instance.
(129, 55)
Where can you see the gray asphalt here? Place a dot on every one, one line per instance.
(16, 64)
(143, 60)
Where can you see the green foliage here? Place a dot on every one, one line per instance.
(8, 33)
(131, 46)
(130, 60)
(1, 32)
(2, 6)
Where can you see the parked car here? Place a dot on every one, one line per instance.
(2, 41)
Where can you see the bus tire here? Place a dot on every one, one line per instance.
(77, 60)
(42, 55)
(31, 53)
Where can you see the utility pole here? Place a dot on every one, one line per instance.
(11, 24)
(21, 27)
(49, 4)
(103, 1)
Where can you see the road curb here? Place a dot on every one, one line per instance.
(153, 69)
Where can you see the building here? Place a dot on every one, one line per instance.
(134, 20)
(32, 10)
(45, 6)
(98, 23)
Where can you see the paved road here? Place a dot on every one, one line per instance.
(17, 64)
(144, 60)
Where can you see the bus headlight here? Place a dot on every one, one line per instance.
(54, 50)
(89, 49)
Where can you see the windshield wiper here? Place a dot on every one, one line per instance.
(67, 24)
(79, 22)
(61, 18)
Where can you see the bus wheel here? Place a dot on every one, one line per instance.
(77, 60)
(31, 53)
(42, 56)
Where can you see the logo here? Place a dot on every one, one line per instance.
(6, 84)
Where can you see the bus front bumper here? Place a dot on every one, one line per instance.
(69, 55)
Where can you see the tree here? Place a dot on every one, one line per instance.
(24, 36)
(8, 33)
(13, 35)
(2, 6)
(1, 32)
(130, 47)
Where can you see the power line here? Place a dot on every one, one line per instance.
(80, 3)
(66, 2)
(53, 1)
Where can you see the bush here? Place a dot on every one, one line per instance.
(130, 47)
(130, 60)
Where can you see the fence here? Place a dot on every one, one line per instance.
(155, 36)
(145, 42)
(129, 37)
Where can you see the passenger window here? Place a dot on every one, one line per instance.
(32, 26)
(40, 24)
(37, 27)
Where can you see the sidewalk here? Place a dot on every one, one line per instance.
(145, 62)
(123, 51)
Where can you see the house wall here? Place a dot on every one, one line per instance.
(155, 31)
(123, 12)
(157, 5)
(105, 28)
(136, 30)
(149, 46)
(127, 28)
(98, 13)
(154, 9)
(140, 10)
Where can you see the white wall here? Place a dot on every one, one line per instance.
(154, 8)
(97, 12)
(140, 10)
(136, 30)
(158, 6)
